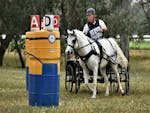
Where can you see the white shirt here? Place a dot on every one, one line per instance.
(101, 23)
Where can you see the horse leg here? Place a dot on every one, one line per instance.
(86, 78)
(103, 72)
(95, 72)
(85, 74)
(114, 67)
(86, 81)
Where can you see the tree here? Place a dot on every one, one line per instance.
(15, 20)
(122, 23)
(17, 44)
(4, 43)
(146, 9)
(73, 14)
(4, 28)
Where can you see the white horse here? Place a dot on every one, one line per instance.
(89, 54)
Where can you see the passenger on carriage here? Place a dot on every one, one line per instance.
(94, 28)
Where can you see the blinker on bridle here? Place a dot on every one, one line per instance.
(74, 41)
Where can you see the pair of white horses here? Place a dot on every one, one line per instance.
(80, 43)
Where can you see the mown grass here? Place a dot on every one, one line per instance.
(11, 59)
(139, 44)
(14, 97)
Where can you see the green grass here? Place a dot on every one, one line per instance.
(139, 45)
(11, 59)
(14, 97)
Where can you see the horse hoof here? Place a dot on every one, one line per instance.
(93, 97)
(106, 95)
(123, 94)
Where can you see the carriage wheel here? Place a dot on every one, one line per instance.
(124, 79)
(77, 84)
(114, 86)
(69, 78)
(127, 81)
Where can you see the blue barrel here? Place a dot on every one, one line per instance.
(44, 89)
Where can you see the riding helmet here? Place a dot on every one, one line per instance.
(90, 11)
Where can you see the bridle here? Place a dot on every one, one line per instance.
(74, 42)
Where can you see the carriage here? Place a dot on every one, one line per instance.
(74, 77)
(113, 61)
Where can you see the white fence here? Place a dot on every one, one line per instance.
(136, 37)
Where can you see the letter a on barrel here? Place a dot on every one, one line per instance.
(35, 22)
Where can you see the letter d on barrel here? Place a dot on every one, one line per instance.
(52, 22)
(47, 20)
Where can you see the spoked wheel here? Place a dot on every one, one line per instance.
(127, 81)
(78, 77)
(77, 83)
(124, 79)
(69, 78)
(114, 86)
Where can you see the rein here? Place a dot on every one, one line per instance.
(72, 46)
(84, 46)
(87, 56)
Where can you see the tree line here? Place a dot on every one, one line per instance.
(119, 16)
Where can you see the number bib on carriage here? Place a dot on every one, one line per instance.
(95, 33)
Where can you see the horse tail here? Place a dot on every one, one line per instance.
(121, 59)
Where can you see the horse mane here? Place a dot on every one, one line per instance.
(82, 35)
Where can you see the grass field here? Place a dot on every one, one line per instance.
(13, 94)
(139, 44)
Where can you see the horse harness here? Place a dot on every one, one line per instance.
(87, 56)
(109, 58)
(92, 52)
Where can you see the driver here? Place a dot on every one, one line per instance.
(94, 28)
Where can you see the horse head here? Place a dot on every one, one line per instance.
(71, 40)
